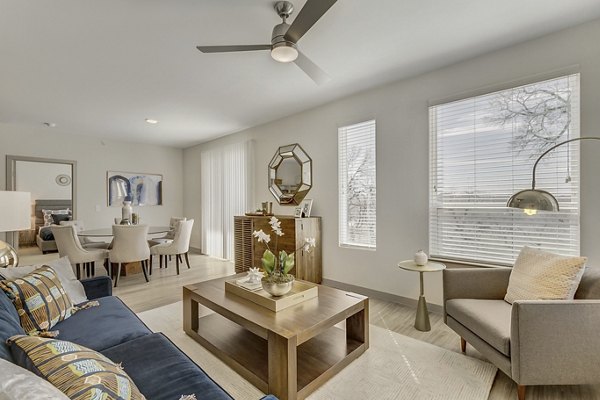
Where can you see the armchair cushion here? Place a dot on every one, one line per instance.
(589, 287)
(540, 275)
(488, 319)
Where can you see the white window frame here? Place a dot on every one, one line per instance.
(364, 138)
(558, 232)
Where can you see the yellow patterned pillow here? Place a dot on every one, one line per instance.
(40, 300)
(78, 372)
(540, 275)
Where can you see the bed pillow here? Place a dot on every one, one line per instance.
(17, 383)
(540, 275)
(47, 214)
(64, 271)
(77, 371)
(58, 218)
(40, 300)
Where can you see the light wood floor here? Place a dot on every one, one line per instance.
(165, 288)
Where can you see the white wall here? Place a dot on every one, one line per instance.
(39, 179)
(94, 158)
(401, 111)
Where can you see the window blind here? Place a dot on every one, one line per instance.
(357, 185)
(482, 150)
(226, 191)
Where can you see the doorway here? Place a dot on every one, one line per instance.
(53, 187)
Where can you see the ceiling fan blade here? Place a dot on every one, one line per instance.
(312, 11)
(311, 69)
(227, 49)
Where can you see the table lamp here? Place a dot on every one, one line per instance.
(15, 215)
(533, 200)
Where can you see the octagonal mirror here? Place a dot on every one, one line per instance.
(290, 174)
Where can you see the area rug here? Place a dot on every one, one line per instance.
(394, 367)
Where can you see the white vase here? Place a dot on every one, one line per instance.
(126, 213)
(421, 257)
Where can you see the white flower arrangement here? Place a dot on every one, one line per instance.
(278, 267)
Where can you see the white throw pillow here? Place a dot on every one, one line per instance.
(540, 275)
(18, 383)
(64, 272)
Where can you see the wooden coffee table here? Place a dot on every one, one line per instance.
(289, 353)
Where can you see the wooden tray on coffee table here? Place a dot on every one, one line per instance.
(301, 291)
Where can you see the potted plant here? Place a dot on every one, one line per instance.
(277, 280)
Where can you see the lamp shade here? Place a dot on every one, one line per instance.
(15, 211)
(533, 200)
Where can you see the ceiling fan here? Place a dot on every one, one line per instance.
(285, 37)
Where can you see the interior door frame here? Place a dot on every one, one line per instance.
(11, 184)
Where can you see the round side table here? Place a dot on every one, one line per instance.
(422, 319)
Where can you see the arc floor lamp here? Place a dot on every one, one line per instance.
(533, 200)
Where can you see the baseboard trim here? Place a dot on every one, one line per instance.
(195, 250)
(392, 298)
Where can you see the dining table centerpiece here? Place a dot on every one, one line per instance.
(277, 280)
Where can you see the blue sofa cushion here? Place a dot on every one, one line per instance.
(10, 325)
(96, 287)
(101, 327)
(161, 371)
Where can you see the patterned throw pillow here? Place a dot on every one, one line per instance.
(78, 372)
(40, 300)
(47, 214)
(540, 275)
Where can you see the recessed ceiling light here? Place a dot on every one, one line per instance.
(50, 124)
(152, 121)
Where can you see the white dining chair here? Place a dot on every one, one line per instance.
(178, 247)
(129, 245)
(68, 245)
(86, 242)
(169, 236)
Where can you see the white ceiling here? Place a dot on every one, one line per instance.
(102, 67)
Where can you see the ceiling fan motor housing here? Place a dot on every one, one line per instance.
(281, 49)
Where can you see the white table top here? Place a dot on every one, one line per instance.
(431, 266)
(153, 230)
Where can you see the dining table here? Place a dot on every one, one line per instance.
(106, 232)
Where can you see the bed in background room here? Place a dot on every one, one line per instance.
(62, 209)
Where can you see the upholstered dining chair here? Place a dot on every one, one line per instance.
(68, 245)
(86, 242)
(129, 245)
(178, 247)
(169, 236)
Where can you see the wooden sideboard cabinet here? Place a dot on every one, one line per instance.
(248, 251)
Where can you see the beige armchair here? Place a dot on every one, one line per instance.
(538, 342)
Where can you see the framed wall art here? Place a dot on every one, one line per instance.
(139, 188)
(306, 206)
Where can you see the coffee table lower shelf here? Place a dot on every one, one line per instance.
(318, 359)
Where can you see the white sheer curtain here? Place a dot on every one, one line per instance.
(226, 180)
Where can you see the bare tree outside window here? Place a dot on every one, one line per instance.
(541, 114)
(357, 179)
(483, 150)
(360, 193)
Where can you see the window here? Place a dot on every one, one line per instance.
(357, 184)
(482, 150)
(226, 191)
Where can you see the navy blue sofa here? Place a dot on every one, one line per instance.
(159, 369)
